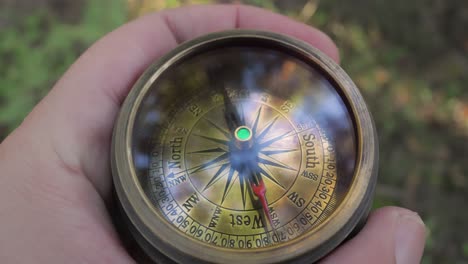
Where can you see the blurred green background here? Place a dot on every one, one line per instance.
(409, 58)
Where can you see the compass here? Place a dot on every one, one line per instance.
(243, 147)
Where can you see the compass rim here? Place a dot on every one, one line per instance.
(138, 208)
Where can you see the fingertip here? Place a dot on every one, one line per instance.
(409, 237)
(398, 215)
(332, 50)
(391, 235)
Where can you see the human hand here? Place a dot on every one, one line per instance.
(56, 180)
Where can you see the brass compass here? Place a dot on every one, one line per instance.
(243, 147)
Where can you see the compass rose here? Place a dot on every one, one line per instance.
(260, 148)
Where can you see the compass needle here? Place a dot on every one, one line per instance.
(259, 190)
(241, 166)
(242, 114)
(223, 131)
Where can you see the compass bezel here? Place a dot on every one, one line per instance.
(158, 237)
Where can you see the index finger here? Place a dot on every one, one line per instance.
(77, 117)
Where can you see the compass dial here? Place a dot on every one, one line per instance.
(239, 149)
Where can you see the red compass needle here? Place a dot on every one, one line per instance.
(260, 190)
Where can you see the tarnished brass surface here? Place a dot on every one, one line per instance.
(243, 146)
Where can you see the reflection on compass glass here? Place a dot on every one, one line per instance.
(244, 148)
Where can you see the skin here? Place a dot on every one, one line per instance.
(56, 181)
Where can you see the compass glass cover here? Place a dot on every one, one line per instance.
(244, 147)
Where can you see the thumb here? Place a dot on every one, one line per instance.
(391, 235)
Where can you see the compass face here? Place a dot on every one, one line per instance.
(243, 148)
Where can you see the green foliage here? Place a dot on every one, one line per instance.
(38, 48)
(415, 89)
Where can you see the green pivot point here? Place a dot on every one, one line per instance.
(243, 133)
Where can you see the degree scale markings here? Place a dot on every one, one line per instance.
(216, 234)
